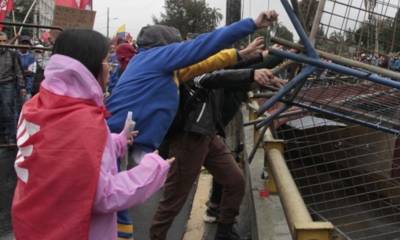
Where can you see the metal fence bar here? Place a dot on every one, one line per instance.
(341, 60)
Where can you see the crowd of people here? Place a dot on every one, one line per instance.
(168, 98)
(391, 61)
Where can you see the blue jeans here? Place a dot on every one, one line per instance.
(29, 84)
(8, 100)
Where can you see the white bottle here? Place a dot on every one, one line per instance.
(129, 119)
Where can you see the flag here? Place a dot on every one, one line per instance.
(121, 31)
(57, 168)
(86, 4)
(6, 6)
(67, 3)
(81, 4)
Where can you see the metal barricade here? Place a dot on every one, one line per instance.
(347, 174)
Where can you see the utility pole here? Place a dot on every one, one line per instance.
(233, 11)
(108, 22)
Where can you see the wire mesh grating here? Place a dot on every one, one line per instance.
(347, 174)
(352, 27)
(362, 100)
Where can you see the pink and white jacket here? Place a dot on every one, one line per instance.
(115, 191)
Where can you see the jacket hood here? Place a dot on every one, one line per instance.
(66, 76)
(157, 35)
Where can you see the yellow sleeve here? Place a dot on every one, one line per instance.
(222, 59)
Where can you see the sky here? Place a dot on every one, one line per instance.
(138, 13)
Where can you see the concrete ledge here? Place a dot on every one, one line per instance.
(269, 217)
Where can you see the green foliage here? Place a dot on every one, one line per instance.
(364, 38)
(281, 32)
(308, 8)
(189, 16)
(374, 35)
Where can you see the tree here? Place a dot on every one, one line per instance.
(308, 9)
(189, 16)
(395, 33)
(369, 7)
(281, 32)
(382, 37)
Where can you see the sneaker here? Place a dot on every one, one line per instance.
(211, 215)
(226, 231)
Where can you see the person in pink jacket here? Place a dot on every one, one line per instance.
(68, 184)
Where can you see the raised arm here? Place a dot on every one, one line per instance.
(179, 55)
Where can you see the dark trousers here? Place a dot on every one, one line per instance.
(8, 97)
(216, 193)
(192, 151)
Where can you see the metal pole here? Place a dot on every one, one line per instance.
(293, 203)
(317, 20)
(233, 11)
(286, 89)
(336, 68)
(299, 29)
(27, 15)
(108, 22)
(13, 19)
(342, 60)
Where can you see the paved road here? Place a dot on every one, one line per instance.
(142, 214)
(269, 222)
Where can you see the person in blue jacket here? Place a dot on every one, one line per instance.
(149, 86)
(28, 64)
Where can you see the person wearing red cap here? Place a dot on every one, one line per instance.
(125, 52)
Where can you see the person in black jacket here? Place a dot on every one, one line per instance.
(196, 139)
(229, 107)
(12, 86)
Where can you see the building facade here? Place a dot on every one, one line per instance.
(44, 11)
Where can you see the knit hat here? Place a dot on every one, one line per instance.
(157, 35)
